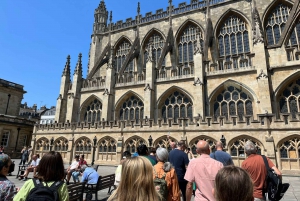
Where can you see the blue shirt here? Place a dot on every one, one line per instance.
(222, 157)
(179, 160)
(90, 175)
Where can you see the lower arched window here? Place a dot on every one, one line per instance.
(107, 146)
(164, 143)
(232, 102)
(133, 144)
(290, 154)
(289, 99)
(211, 143)
(177, 105)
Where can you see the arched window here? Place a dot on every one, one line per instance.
(232, 102)
(84, 145)
(164, 143)
(211, 143)
(132, 109)
(61, 145)
(290, 153)
(156, 44)
(133, 143)
(42, 145)
(121, 53)
(233, 39)
(276, 22)
(177, 105)
(289, 99)
(107, 145)
(237, 148)
(93, 111)
(186, 43)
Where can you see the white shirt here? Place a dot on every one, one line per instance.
(35, 163)
(74, 165)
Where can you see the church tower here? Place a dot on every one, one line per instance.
(101, 15)
(100, 25)
(61, 105)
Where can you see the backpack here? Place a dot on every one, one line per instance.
(161, 186)
(274, 188)
(44, 193)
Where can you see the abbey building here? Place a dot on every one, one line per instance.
(209, 69)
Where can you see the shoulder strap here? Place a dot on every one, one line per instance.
(156, 176)
(37, 182)
(266, 162)
(56, 185)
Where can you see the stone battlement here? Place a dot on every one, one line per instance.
(262, 122)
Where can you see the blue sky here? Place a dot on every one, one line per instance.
(37, 35)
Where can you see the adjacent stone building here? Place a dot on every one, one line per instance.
(211, 69)
(15, 131)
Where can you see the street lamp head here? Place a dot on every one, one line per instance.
(223, 140)
(51, 141)
(150, 140)
(95, 140)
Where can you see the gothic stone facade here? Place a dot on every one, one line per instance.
(202, 70)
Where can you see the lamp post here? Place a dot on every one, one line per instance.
(223, 140)
(7, 103)
(17, 138)
(94, 149)
(150, 141)
(51, 143)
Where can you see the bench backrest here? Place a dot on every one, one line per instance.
(76, 191)
(105, 181)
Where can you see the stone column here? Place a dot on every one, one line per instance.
(199, 99)
(108, 103)
(148, 95)
(259, 61)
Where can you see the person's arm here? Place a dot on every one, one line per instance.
(64, 194)
(277, 172)
(189, 191)
(83, 178)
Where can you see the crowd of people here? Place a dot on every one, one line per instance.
(151, 175)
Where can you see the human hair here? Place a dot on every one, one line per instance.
(4, 160)
(162, 155)
(142, 150)
(126, 154)
(82, 156)
(51, 167)
(181, 143)
(136, 182)
(250, 148)
(233, 184)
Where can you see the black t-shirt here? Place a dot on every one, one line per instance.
(179, 160)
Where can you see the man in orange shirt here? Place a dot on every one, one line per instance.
(255, 166)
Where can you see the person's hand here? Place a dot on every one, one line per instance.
(17, 189)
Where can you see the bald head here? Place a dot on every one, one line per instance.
(203, 147)
(219, 146)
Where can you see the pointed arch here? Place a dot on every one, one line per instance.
(245, 139)
(186, 23)
(287, 138)
(150, 33)
(175, 103)
(164, 142)
(83, 145)
(169, 91)
(127, 95)
(229, 12)
(91, 109)
(210, 140)
(270, 8)
(61, 144)
(286, 82)
(107, 144)
(234, 83)
(275, 25)
(123, 37)
(133, 142)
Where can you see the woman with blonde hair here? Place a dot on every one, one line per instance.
(163, 169)
(136, 182)
(233, 184)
